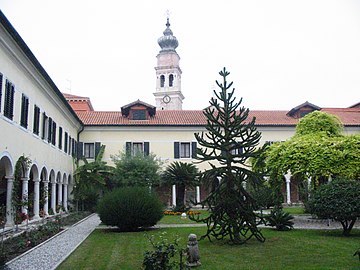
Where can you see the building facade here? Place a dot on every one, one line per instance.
(44, 131)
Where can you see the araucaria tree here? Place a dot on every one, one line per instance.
(230, 140)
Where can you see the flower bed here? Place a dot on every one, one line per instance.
(188, 213)
(31, 237)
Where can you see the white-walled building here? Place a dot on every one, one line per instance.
(37, 123)
(51, 129)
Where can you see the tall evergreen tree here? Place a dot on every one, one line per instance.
(230, 140)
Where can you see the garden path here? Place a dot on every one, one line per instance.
(51, 253)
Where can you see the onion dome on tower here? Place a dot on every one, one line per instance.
(168, 41)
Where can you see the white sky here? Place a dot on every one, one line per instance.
(280, 53)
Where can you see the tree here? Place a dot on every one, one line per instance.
(317, 150)
(183, 175)
(338, 200)
(91, 178)
(319, 122)
(136, 170)
(229, 141)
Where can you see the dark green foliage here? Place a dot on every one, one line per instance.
(130, 208)
(263, 196)
(319, 122)
(230, 140)
(136, 170)
(279, 219)
(338, 200)
(183, 175)
(90, 179)
(162, 257)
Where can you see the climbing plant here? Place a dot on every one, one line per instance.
(22, 165)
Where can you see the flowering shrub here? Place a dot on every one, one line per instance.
(188, 213)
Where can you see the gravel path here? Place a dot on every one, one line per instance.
(51, 253)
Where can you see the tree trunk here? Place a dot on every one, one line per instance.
(347, 226)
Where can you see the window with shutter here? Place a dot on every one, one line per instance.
(50, 126)
(45, 126)
(60, 137)
(9, 100)
(176, 150)
(66, 142)
(193, 149)
(24, 111)
(72, 153)
(1, 83)
(97, 148)
(36, 120)
(69, 144)
(80, 152)
(53, 133)
(135, 148)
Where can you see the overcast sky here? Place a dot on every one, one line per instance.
(280, 53)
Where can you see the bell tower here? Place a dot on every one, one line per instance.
(168, 95)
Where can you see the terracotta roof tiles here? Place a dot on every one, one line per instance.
(349, 116)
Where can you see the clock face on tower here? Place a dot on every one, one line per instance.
(166, 99)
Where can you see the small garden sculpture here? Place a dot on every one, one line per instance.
(193, 256)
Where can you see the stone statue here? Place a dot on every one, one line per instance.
(193, 257)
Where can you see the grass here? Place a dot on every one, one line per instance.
(176, 219)
(295, 210)
(296, 249)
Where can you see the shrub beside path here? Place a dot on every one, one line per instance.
(51, 253)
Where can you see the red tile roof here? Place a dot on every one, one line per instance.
(349, 117)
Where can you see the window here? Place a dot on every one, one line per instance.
(162, 81)
(73, 147)
(1, 83)
(45, 126)
(66, 142)
(236, 151)
(135, 148)
(9, 100)
(60, 137)
(53, 133)
(36, 124)
(24, 111)
(89, 150)
(139, 114)
(69, 144)
(50, 125)
(171, 80)
(185, 149)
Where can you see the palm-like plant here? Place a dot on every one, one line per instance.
(281, 220)
(92, 177)
(183, 175)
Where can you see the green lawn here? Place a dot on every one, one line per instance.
(296, 249)
(176, 219)
(295, 210)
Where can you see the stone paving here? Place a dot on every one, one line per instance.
(51, 253)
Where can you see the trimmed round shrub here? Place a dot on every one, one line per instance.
(130, 208)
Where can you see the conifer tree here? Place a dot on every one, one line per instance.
(229, 141)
